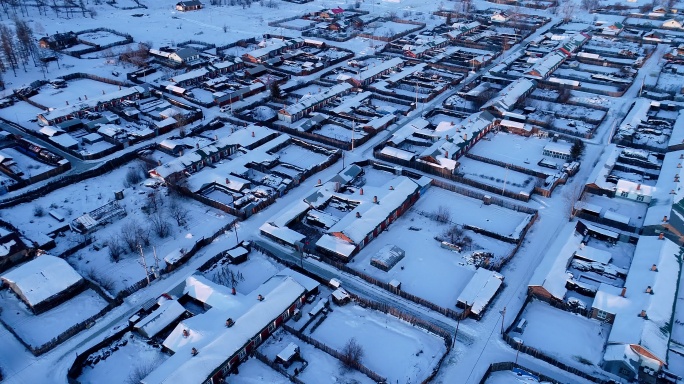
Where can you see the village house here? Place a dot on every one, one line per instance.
(641, 310)
(58, 41)
(510, 97)
(375, 71)
(558, 150)
(43, 282)
(13, 250)
(81, 108)
(208, 347)
(672, 23)
(664, 214)
(272, 47)
(188, 5)
(311, 103)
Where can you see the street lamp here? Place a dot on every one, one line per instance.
(520, 343)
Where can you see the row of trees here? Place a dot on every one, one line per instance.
(63, 8)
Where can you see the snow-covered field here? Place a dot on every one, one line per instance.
(254, 371)
(497, 177)
(392, 348)
(256, 270)
(510, 377)
(567, 337)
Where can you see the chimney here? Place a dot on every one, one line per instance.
(358, 215)
(319, 182)
(672, 192)
(260, 298)
(391, 188)
(233, 291)
(638, 187)
(186, 333)
(446, 154)
(681, 155)
(252, 133)
(361, 191)
(67, 102)
(447, 137)
(215, 137)
(159, 163)
(229, 322)
(465, 137)
(194, 351)
(623, 292)
(649, 290)
(197, 145)
(664, 219)
(679, 165)
(375, 199)
(654, 268)
(227, 181)
(643, 313)
(661, 236)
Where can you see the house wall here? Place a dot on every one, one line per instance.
(52, 301)
(610, 318)
(619, 368)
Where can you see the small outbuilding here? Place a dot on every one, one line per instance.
(288, 355)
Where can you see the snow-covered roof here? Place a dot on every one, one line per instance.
(603, 168)
(593, 254)
(509, 96)
(279, 293)
(210, 293)
(636, 115)
(397, 153)
(543, 67)
(160, 318)
(288, 352)
(351, 102)
(480, 289)
(371, 214)
(378, 68)
(624, 185)
(309, 101)
(42, 278)
(551, 273)
(667, 192)
(65, 140)
(558, 147)
(651, 332)
(194, 74)
(91, 103)
(677, 137)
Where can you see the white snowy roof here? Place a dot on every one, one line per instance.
(160, 318)
(287, 352)
(662, 196)
(279, 294)
(604, 166)
(351, 102)
(42, 278)
(480, 289)
(652, 332)
(547, 64)
(397, 153)
(65, 140)
(312, 100)
(551, 274)
(212, 294)
(90, 103)
(636, 115)
(372, 214)
(632, 187)
(677, 137)
(558, 147)
(507, 97)
(593, 254)
(375, 69)
(194, 74)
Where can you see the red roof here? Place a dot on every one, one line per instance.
(337, 11)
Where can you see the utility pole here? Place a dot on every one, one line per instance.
(503, 315)
(353, 129)
(144, 264)
(156, 259)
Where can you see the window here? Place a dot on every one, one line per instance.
(640, 198)
(601, 315)
(271, 327)
(624, 194)
(242, 354)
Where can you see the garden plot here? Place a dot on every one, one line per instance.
(36, 330)
(495, 176)
(392, 348)
(119, 362)
(567, 337)
(569, 111)
(466, 210)
(428, 270)
(525, 152)
(591, 99)
(391, 29)
(256, 270)
(671, 82)
(254, 371)
(101, 38)
(28, 165)
(320, 364)
(111, 52)
(76, 199)
(300, 157)
(21, 113)
(78, 88)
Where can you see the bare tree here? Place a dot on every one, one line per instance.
(442, 215)
(571, 195)
(8, 47)
(177, 212)
(106, 282)
(129, 235)
(115, 248)
(227, 277)
(352, 353)
(159, 225)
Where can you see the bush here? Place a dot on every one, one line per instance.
(104, 281)
(133, 176)
(352, 353)
(115, 248)
(38, 211)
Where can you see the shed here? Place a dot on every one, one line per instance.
(387, 257)
(237, 255)
(288, 355)
(340, 296)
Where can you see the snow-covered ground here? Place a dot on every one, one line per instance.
(392, 348)
(563, 335)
